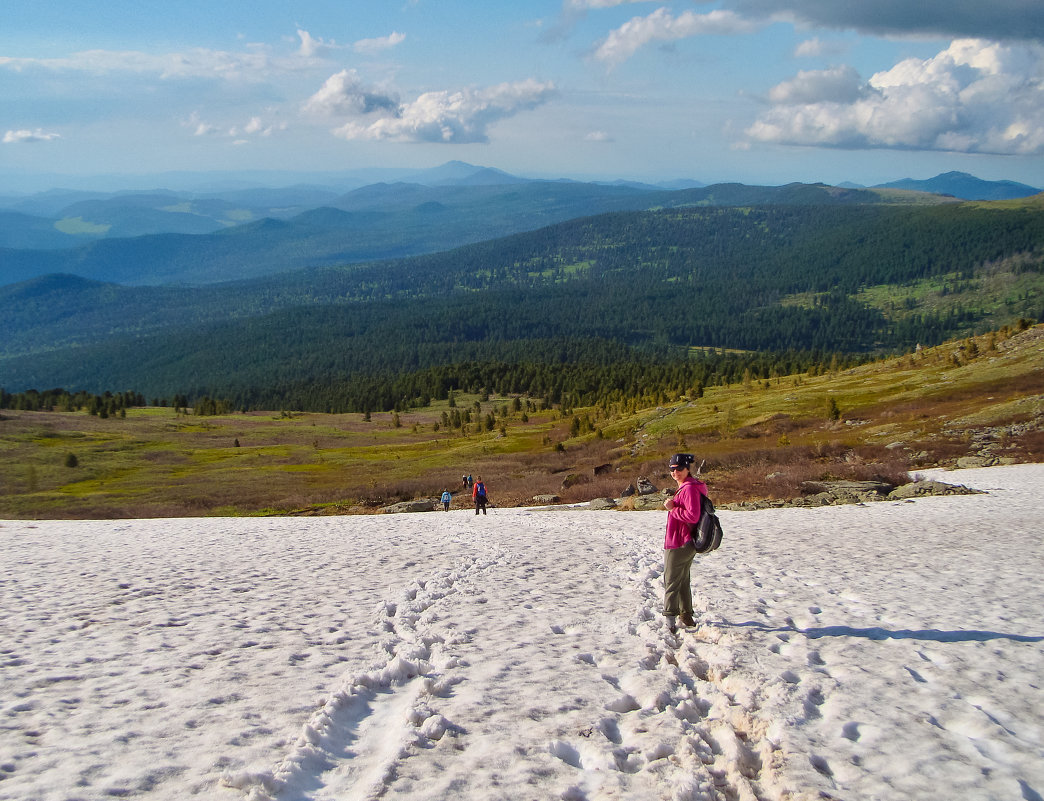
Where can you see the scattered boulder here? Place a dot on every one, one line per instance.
(643, 503)
(418, 505)
(974, 461)
(602, 469)
(629, 491)
(545, 500)
(645, 486)
(600, 504)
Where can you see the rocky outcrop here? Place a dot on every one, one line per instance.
(418, 505)
(987, 445)
(838, 493)
(846, 487)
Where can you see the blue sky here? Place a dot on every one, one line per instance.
(757, 91)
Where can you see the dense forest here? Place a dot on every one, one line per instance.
(600, 308)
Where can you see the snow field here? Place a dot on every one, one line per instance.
(880, 651)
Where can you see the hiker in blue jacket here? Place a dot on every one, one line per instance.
(446, 498)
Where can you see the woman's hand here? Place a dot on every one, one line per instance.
(668, 504)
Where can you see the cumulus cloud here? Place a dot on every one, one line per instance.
(598, 136)
(25, 135)
(451, 117)
(345, 94)
(371, 46)
(974, 97)
(662, 26)
(997, 19)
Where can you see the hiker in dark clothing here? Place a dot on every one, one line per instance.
(479, 494)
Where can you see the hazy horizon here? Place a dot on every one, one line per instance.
(741, 91)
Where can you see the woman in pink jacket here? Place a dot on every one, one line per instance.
(683, 511)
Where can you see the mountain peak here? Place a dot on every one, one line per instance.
(964, 186)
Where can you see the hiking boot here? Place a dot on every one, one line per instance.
(686, 620)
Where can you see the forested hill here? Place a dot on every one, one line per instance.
(374, 222)
(637, 287)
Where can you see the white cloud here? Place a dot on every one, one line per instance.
(598, 136)
(662, 26)
(253, 63)
(200, 127)
(816, 47)
(255, 126)
(377, 45)
(837, 85)
(452, 117)
(344, 94)
(24, 135)
(975, 97)
(310, 46)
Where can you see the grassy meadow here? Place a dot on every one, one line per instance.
(760, 439)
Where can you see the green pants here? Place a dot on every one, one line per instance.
(677, 590)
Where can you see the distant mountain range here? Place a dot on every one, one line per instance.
(240, 231)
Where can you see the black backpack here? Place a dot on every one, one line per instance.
(706, 534)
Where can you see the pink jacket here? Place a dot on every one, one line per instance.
(686, 512)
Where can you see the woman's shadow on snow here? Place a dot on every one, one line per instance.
(878, 633)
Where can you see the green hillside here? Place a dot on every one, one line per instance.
(593, 293)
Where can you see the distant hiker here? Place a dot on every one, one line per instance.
(470, 481)
(479, 494)
(683, 511)
(446, 498)
(464, 481)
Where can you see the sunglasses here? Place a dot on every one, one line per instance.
(678, 469)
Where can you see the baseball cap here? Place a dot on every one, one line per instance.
(681, 460)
